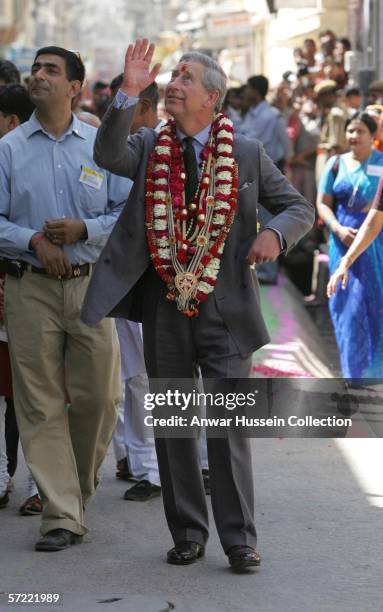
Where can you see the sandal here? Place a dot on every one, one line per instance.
(31, 506)
(123, 471)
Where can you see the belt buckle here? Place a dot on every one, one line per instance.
(76, 272)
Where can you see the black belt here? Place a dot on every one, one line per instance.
(17, 268)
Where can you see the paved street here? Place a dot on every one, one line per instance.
(301, 344)
(319, 535)
(296, 81)
(319, 513)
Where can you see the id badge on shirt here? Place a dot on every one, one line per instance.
(374, 170)
(91, 177)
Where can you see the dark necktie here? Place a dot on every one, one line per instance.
(191, 169)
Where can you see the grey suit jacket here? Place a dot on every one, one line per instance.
(125, 257)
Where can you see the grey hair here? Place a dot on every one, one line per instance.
(213, 78)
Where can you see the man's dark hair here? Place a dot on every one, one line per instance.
(345, 42)
(14, 100)
(352, 91)
(365, 118)
(116, 82)
(260, 83)
(302, 71)
(75, 69)
(99, 85)
(8, 72)
(151, 93)
(286, 75)
(237, 91)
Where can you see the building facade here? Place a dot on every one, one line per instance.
(12, 16)
(365, 27)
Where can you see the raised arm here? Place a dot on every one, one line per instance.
(137, 73)
(112, 150)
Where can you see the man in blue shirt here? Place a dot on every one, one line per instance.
(57, 208)
(264, 122)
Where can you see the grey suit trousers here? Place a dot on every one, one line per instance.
(173, 345)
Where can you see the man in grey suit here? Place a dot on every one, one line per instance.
(159, 284)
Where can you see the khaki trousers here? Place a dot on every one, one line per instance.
(52, 352)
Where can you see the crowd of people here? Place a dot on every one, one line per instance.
(325, 134)
(302, 124)
(72, 254)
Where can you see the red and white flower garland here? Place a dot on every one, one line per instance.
(186, 242)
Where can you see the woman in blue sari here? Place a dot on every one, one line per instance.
(345, 195)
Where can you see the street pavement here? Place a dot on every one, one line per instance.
(302, 340)
(319, 512)
(319, 535)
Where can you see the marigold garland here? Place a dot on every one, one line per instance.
(186, 242)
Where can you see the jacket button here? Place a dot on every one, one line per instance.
(107, 261)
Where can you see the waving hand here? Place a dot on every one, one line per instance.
(137, 73)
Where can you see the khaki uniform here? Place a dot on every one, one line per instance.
(332, 135)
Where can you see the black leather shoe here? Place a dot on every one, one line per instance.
(142, 491)
(241, 557)
(57, 539)
(185, 553)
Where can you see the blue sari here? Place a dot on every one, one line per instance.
(357, 311)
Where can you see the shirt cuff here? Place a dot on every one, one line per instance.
(122, 101)
(94, 230)
(24, 237)
(282, 241)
